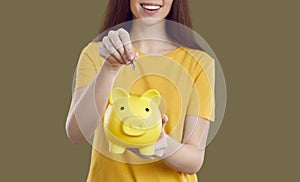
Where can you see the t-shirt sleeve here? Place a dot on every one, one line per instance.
(202, 100)
(86, 69)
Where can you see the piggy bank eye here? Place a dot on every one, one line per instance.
(122, 108)
(147, 109)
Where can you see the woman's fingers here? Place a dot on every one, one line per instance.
(112, 50)
(164, 119)
(117, 48)
(108, 56)
(103, 51)
(164, 122)
(125, 38)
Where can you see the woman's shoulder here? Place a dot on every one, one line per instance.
(91, 50)
(197, 53)
(200, 56)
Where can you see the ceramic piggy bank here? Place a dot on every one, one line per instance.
(132, 121)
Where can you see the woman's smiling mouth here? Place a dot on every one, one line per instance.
(151, 8)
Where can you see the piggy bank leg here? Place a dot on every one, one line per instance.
(149, 150)
(116, 149)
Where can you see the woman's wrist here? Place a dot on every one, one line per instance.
(112, 69)
(172, 146)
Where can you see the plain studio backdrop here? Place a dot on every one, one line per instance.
(256, 43)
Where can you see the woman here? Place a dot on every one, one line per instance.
(184, 77)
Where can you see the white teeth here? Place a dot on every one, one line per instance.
(151, 7)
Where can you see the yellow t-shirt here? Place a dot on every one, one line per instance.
(185, 79)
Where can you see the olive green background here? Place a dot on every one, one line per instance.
(257, 44)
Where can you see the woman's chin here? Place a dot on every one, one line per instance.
(149, 21)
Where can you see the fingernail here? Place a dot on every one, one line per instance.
(131, 56)
(127, 61)
(165, 119)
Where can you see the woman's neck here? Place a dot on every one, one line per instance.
(150, 36)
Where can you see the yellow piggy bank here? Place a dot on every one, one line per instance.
(132, 121)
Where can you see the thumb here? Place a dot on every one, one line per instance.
(164, 120)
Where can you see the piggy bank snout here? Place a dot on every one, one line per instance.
(134, 127)
(136, 123)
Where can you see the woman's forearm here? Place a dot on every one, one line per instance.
(86, 113)
(184, 158)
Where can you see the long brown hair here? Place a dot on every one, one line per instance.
(118, 12)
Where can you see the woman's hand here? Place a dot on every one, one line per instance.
(116, 48)
(159, 146)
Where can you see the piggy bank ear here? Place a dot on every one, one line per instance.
(116, 94)
(153, 95)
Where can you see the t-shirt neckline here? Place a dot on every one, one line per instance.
(173, 51)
